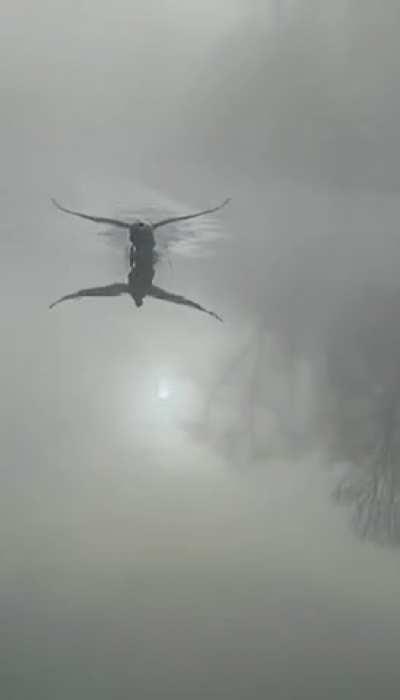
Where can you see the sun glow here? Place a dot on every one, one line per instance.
(163, 390)
(177, 397)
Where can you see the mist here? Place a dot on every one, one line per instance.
(189, 508)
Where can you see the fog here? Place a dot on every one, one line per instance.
(192, 509)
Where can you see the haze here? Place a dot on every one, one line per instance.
(167, 521)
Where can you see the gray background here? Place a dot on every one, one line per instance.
(144, 552)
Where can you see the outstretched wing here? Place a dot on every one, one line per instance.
(89, 217)
(162, 294)
(111, 290)
(188, 237)
(186, 217)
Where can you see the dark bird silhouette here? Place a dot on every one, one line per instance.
(142, 262)
(139, 285)
(141, 233)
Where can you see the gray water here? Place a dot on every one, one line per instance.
(192, 509)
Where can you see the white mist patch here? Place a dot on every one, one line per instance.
(151, 405)
(172, 395)
(164, 390)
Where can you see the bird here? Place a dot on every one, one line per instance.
(142, 260)
(141, 232)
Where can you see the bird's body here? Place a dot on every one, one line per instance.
(142, 262)
(142, 244)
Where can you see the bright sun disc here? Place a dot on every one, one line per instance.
(164, 391)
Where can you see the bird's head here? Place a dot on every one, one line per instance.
(140, 227)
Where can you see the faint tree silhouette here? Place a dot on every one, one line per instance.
(368, 437)
(372, 489)
(247, 412)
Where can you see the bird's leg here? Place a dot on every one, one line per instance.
(110, 290)
(162, 294)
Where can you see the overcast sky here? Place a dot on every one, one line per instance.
(146, 550)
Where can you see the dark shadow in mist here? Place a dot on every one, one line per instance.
(363, 378)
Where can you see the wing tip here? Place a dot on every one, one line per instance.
(55, 203)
